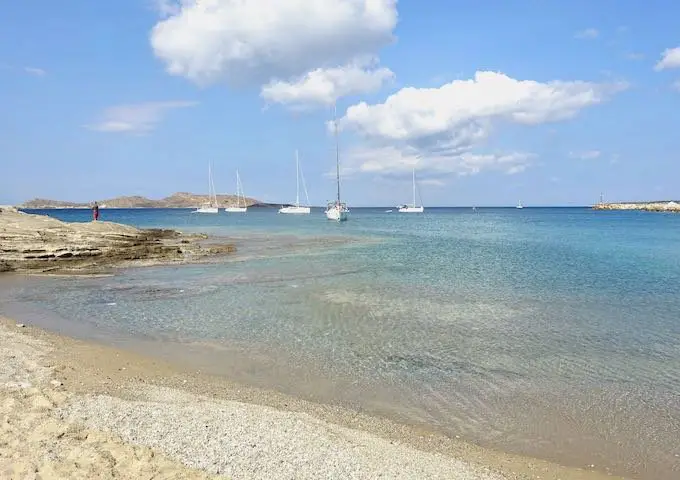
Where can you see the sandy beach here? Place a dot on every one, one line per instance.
(73, 409)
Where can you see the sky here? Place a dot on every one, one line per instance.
(544, 101)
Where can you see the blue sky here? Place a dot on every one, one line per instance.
(550, 102)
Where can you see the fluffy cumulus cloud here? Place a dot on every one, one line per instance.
(303, 42)
(137, 118)
(325, 85)
(670, 58)
(439, 128)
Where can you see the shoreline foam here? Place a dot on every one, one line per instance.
(225, 428)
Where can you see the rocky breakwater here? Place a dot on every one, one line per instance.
(645, 206)
(37, 243)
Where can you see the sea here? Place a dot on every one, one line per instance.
(548, 332)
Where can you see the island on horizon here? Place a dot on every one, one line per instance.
(176, 200)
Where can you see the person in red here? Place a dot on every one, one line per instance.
(95, 212)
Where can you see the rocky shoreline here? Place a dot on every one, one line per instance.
(42, 244)
(670, 206)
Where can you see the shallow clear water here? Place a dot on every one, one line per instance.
(551, 332)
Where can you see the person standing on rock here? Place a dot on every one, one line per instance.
(95, 212)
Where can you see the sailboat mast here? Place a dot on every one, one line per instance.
(212, 184)
(238, 189)
(337, 150)
(414, 187)
(297, 179)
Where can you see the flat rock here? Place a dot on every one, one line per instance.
(44, 244)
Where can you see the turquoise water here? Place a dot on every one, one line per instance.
(549, 332)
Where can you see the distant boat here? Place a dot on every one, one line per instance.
(412, 208)
(239, 195)
(337, 210)
(388, 211)
(519, 204)
(297, 209)
(211, 205)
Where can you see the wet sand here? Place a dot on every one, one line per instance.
(75, 409)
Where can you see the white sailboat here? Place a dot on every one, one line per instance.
(412, 208)
(519, 204)
(239, 196)
(211, 205)
(337, 210)
(297, 209)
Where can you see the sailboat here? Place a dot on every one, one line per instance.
(211, 205)
(337, 210)
(412, 208)
(239, 196)
(297, 208)
(519, 204)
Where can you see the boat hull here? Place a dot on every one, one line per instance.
(411, 209)
(295, 210)
(206, 210)
(236, 209)
(337, 214)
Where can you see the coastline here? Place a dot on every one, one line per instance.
(661, 206)
(31, 243)
(225, 428)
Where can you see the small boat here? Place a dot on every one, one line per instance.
(211, 205)
(389, 211)
(239, 195)
(519, 204)
(411, 208)
(337, 210)
(297, 209)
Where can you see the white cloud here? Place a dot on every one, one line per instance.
(38, 72)
(587, 155)
(670, 58)
(136, 118)
(443, 127)
(166, 8)
(587, 34)
(245, 41)
(391, 161)
(635, 56)
(464, 108)
(324, 86)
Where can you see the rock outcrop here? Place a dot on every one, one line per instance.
(40, 243)
(646, 206)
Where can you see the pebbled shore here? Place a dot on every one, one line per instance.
(42, 244)
(73, 409)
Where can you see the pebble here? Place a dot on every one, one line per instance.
(20, 325)
(56, 383)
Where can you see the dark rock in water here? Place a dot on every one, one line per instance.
(45, 244)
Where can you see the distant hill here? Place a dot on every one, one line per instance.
(176, 200)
